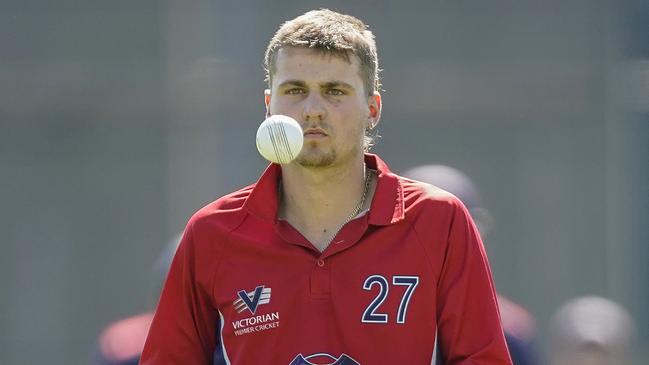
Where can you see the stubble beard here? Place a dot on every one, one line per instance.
(315, 157)
(312, 157)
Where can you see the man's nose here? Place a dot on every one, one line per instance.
(314, 108)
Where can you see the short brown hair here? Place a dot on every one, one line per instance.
(329, 32)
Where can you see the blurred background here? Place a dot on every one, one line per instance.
(120, 119)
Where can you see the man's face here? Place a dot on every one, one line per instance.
(326, 95)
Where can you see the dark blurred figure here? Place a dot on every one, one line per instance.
(122, 341)
(591, 331)
(517, 322)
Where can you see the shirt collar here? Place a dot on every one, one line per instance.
(387, 204)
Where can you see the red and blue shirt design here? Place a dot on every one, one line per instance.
(247, 288)
(323, 359)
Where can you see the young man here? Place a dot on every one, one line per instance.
(330, 259)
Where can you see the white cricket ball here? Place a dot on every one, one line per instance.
(280, 139)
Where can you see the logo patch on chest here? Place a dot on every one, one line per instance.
(251, 300)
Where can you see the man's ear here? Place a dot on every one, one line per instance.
(267, 102)
(374, 104)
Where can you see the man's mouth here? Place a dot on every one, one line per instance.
(314, 133)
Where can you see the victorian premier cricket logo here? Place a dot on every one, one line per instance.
(251, 300)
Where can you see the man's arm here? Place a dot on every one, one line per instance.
(469, 329)
(183, 330)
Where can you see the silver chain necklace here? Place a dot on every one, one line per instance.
(357, 209)
(359, 206)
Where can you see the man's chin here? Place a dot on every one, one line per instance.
(316, 160)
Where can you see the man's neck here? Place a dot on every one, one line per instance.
(318, 201)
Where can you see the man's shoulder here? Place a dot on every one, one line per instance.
(228, 209)
(425, 204)
(421, 194)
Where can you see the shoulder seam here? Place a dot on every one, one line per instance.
(220, 255)
(448, 239)
(426, 252)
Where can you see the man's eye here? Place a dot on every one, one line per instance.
(335, 92)
(294, 91)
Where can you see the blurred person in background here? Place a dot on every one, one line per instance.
(591, 331)
(122, 341)
(332, 258)
(518, 323)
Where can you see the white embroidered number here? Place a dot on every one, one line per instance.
(370, 315)
(411, 282)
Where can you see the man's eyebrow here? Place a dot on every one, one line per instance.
(298, 83)
(336, 84)
(325, 85)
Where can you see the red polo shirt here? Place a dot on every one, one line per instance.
(245, 288)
